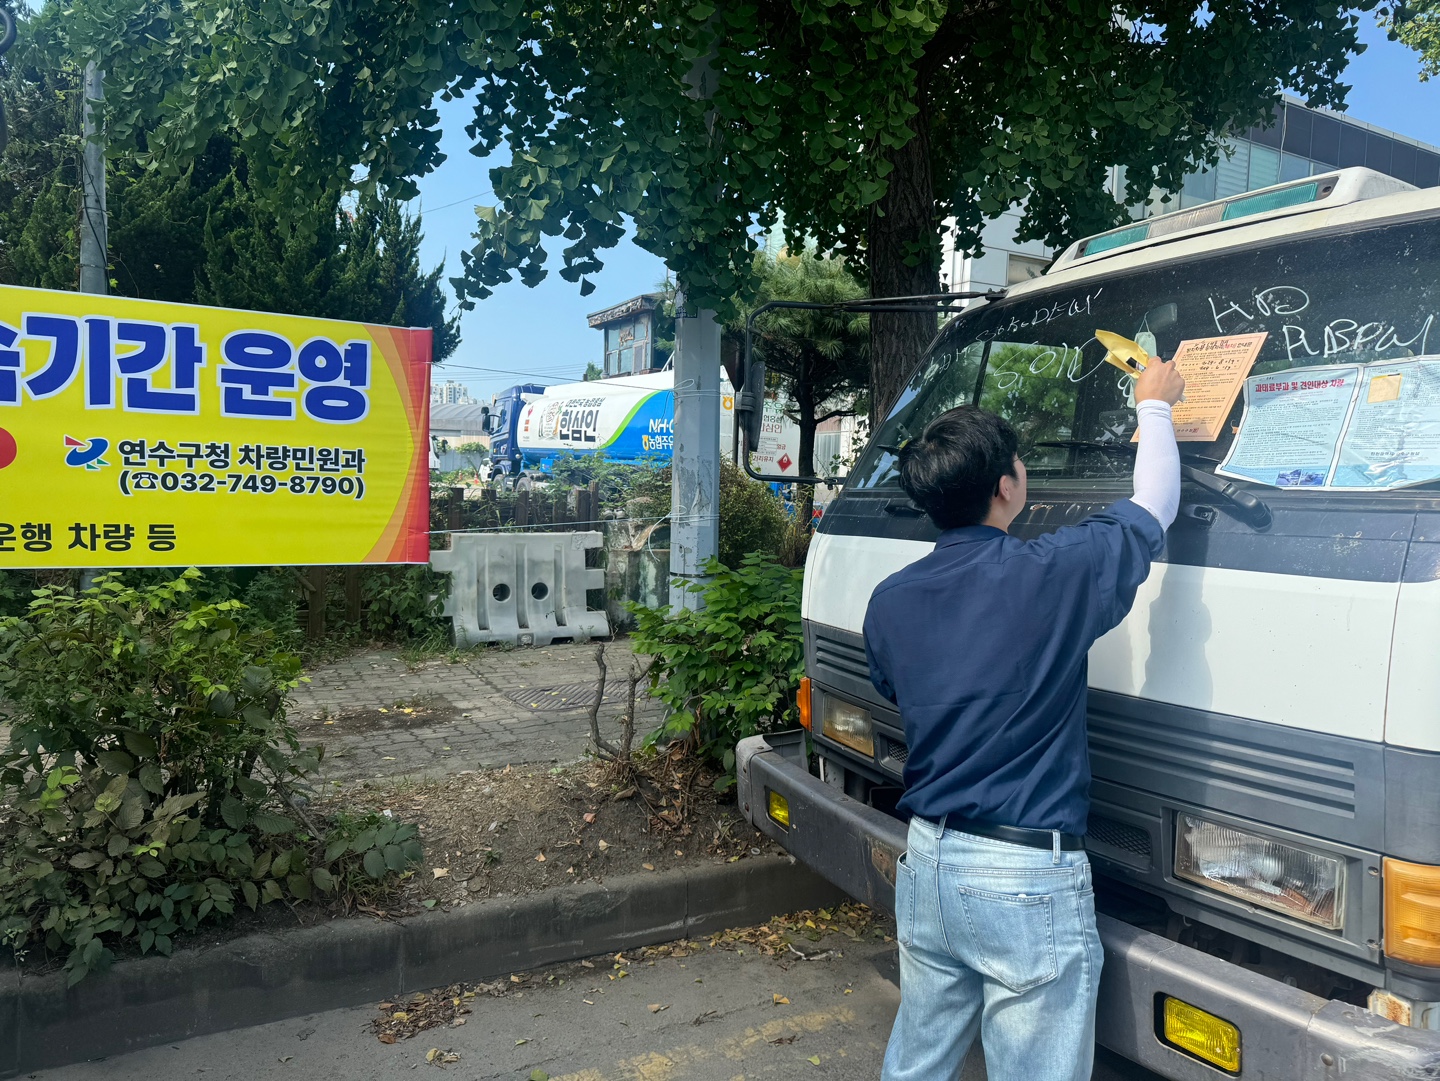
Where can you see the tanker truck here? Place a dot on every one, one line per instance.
(630, 419)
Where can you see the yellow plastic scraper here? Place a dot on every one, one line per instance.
(1126, 355)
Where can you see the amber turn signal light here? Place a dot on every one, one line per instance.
(1412, 912)
(802, 702)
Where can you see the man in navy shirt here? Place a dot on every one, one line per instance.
(982, 646)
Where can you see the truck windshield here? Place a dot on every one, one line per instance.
(1350, 298)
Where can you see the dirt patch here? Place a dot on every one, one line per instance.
(812, 935)
(418, 713)
(496, 833)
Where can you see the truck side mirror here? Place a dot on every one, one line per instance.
(750, 404)
(490, 423)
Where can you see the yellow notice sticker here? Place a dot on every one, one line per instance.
(1385, 388)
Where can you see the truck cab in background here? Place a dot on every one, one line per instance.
(1264, 727)
(502, 425)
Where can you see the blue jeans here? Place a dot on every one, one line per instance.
(996, 938)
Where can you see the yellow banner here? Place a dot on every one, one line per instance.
(135, 433)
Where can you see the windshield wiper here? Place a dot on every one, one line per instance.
(1250, 509)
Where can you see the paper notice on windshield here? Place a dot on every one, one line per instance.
(1343, 429)
(1393, 438)
(1214, 370)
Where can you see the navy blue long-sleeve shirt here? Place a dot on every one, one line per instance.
(982, 645)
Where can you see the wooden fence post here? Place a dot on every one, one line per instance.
(582, 509)
(457, 503)
(315, 616)
(352, 594)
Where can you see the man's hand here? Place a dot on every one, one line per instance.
(1161, 381)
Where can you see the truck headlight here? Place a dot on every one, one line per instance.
(849, 725)
(1284, 878)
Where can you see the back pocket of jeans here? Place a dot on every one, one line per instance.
(1012, 936)
(904, 901)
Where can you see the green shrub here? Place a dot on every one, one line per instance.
(752, 519)
(731, 669)
(151, 777)
(405, 603)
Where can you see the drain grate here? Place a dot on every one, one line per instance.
(556, 699)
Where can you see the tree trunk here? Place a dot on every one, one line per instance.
(805, 455)
(903, 242)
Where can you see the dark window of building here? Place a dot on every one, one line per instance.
(1377, 152)
(1325, 140)
(1268, 136)
(1352, 146)
(1297, 132)
(1427, 169)
(1402, 162)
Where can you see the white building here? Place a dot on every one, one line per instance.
(450, 393)
(1303, 141)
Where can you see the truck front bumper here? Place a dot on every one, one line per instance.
(1286, 1033)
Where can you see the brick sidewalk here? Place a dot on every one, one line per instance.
(379, 718)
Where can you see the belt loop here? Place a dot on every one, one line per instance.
(1055, 847)
(940, 827)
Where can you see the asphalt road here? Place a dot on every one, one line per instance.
(720, 1021)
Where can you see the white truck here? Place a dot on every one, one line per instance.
(1264, 727)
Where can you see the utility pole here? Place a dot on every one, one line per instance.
(94, 225)
(695, 465)
(94, 222)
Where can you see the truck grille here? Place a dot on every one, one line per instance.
(1139, 745)
(842, 658)
(1121, 835)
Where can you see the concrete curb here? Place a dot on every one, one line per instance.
(270, 977)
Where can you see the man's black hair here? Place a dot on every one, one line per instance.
(953, 469)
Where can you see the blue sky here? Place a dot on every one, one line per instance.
(542, 331)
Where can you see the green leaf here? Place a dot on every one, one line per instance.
(115, 762)
(394, 857)
(374, 863)
(252, 894)
(83, 861)
(233, 812)
(151, 779)
(139, 744)
(323, 879)
(268, 822)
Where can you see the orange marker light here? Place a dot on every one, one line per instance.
(802, 701)
(1412, 912)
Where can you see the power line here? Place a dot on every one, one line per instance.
(457, 202)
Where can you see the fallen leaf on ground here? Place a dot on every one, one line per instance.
(540, 858)
(442, 872)
(604, 845)
(539, 1075)
(590, 816)
(627, 793)
(519, 1042)
(587, 964)
(814, 1060)
(387, 1037)
(648, 866)
(780, 1000)
(656, 1007)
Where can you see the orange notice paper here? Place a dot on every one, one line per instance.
(1214, 371)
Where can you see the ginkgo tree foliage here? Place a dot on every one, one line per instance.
(1417, 24)
(863, 125)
